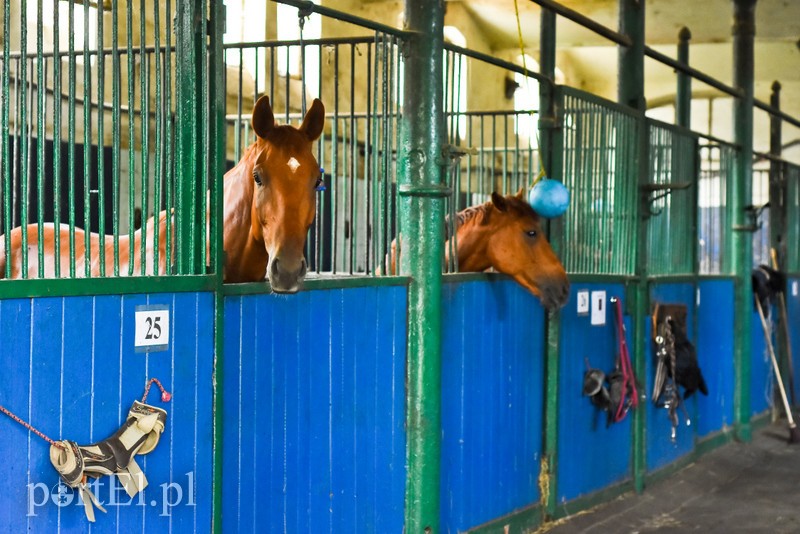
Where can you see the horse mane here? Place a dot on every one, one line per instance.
(480, 214)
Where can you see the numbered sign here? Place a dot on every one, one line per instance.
(583, 302)
(152, 328)
(598, 308)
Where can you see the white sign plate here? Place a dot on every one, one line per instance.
(583, 302)
(794, 288)
(152, 328)
(598, 308)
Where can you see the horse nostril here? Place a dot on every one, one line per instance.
(303, 268)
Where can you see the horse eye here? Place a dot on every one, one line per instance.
(257, 177)
(531, 233)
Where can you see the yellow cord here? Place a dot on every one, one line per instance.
(542, 172)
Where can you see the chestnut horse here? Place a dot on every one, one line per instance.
(269, 204)
(505, 234)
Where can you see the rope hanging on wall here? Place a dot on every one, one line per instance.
(139, 434)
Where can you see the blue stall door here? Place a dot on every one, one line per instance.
(492, 401)
(71, 369)
(314, 388)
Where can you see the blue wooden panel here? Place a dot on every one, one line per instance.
(492, 401)
(793, 310)
(71, 369)
(592, 456)
(715, 337)
(661, 450)
(314, 390)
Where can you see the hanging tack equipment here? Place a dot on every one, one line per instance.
(139, 434)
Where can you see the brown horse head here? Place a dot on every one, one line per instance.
(516, 245)
(285, 174)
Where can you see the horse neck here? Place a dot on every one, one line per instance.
(472, 240)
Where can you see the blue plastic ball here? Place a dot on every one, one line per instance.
(549, 198)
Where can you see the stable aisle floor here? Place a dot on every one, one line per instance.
(740, 487)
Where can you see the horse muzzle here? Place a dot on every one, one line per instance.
(554, 295)
(286, 276)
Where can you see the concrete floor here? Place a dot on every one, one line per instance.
(747, 488)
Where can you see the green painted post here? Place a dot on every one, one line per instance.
(631, 93)
(422, 190)
(190, 53)
(551, 154)
(683, 100)
(741, 189)
(216, 170)
(777, 183)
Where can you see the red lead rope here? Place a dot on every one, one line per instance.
(165, 397)
(628, 378)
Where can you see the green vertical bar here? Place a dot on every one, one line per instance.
(131, 64)
(87, 142)
(216, 170)
(190, 17)
(115, 129)
(777, 184)
(144, 95)
(161, 113)
(631, 93)
(170, 164)
(101, 118)
(71, 138)
(23, 128)
(422, 193)
(41, 133)
(683, 101)
(551, 157)
(741, 195)
(56, 139)
(8, 194)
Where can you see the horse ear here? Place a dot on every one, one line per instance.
(499, 201)
(263, 119)
(521, 193)
(314, 120)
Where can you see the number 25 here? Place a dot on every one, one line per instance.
(153, 328)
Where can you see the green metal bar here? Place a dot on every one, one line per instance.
(189, 58)
(131, 67)
(115, 129)
(8, 194)
(422, 137)
(777, 184)
(741, 195)
(216, 168)
(22, 126)
(169, 178)
(41, 134)
(101, 119)
(144, 95)
(683, 100)
(551, 157)
(161, 114)
(71, 138)
(87, 142)
(631, 93)
(204, 161)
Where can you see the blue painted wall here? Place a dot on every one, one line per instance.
(70, 368)
(661, 450)
(592, 456)
(715, 354)
(793, 309)
(492, 401)
(314, 435)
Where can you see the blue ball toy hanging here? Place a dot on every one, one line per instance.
(549, 198)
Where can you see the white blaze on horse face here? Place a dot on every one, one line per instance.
(293, 164)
